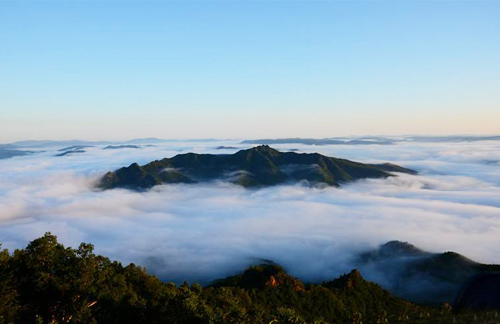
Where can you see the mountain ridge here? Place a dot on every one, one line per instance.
(420, 276)
(254, 167)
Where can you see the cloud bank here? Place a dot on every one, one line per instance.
(203, 232)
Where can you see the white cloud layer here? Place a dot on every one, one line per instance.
(202, 232)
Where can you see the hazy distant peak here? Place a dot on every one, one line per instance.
(401, 248)
(421, 276)
(391, 250)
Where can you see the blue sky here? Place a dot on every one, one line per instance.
(172, 69)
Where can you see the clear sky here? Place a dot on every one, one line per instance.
(247, 69)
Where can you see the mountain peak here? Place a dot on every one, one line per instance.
(264, 149)
(261, 276)
(401, 248)
(392, 249)
(347, 281)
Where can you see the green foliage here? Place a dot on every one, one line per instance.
(48, 283)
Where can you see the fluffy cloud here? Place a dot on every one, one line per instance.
(202, 232)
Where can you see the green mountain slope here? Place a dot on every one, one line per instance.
(258, 166)
(49, 283)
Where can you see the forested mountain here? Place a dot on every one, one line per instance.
(258, 166)
(49, 283)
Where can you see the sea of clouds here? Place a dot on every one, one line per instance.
(206, 231)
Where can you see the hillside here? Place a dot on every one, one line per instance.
(49, 283)
(420, 276)
(258, 166)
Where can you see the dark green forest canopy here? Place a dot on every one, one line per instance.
(258, 166)
(49, 283)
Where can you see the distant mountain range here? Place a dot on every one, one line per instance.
(74, 148)
(70, 152)
(372, 140)
(424, 277)
(117, 147)
(321, 141)
(457, 138)
(357, 140)
(72, 143)
(8, 151)
(21, 148)
(258, 166)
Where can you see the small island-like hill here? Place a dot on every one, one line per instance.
(256, 167)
